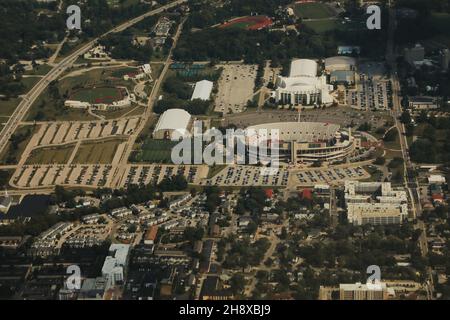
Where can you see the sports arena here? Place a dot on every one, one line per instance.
(309, 142)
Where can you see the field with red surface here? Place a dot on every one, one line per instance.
(249, 23)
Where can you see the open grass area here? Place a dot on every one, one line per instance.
(59, 155)
(98, 95)
(313, 10)
(39, 70)
(109, 115)
(14, 149)
(48, 108)
(98, 152)
(29, 82)
(321, 26)
(375, 174)
(155, 151)
(214, 170)
(7, 107)
(5, 176)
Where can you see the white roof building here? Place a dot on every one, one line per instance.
(115, 263)
(173, 121)
(202, 90)
(436, 178)
(303, 68)
(303, 86)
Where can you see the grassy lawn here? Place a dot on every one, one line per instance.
(29, 82)
(5, 176)
(7, 107)
(98, 95)
(58, 155)
(40, 70)
(133, 111)
(313, 11)
(47, 108)
(215, 170)
(155, 151)
(375, 174)
(11, 154)
(98, 152)
(323, 26)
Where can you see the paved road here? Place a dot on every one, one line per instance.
(122, 166)
(56, 72)
(411, 182)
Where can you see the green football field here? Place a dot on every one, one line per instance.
(97, 95)
(314, 10)
(159, 151)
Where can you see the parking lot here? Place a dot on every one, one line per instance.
(248, 176)
(155, 173)
(370, 94)
(239, 176)
(330, 176)
(236, 86)
(83, 175)
(54, 133)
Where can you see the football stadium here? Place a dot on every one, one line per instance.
(309, 142)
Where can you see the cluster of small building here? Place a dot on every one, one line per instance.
(47, 243)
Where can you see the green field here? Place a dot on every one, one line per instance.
(97, 95)
(58, 155)
(315, 10)
(323, 25)
(98, 152)
(47, 108)
(11, 155)
(7, 107)
(155, 151)
(40, 70)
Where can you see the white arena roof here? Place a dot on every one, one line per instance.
(173, 119)
(202, 90)
(303, 68)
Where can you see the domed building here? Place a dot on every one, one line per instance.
(303, 86)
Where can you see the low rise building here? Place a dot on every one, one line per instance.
(423, 103)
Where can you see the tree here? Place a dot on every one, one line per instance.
(405, 118)
(237, 283)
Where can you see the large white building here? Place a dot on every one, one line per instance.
(303, 86)
(375, 203)
(309, 142)
(202, 90)
(173, 124)
(114, 267)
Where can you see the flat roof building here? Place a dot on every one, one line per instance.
(340, 63)
(375, 203)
